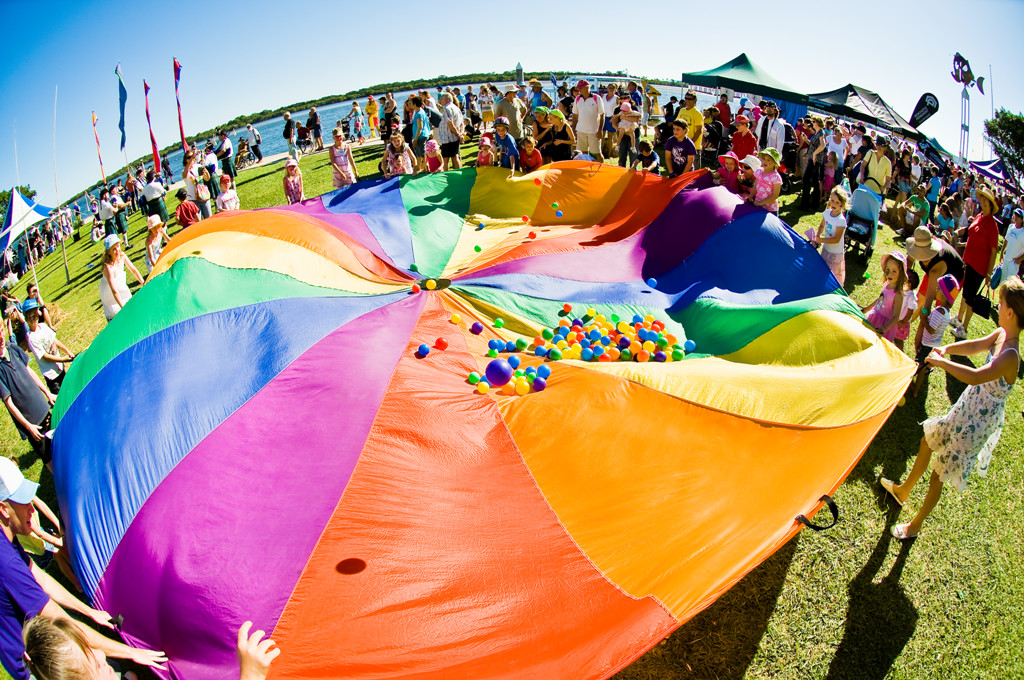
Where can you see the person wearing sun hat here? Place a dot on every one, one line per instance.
(768, 181)
(747, 181)
(937, 258)
(156, 234)
(114, 293)
(537, 96)
(979, 258)
(588, 121)
(562, 137)
(514, 109)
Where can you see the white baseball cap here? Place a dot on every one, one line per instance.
(13, 485)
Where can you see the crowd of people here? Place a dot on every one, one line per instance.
(964, 244)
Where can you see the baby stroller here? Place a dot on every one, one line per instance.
(862, 221)
(244, 157)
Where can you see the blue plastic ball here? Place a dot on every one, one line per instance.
(539, 384)
(499, 372)
(584, 343)
(544, 371)
(477, 328)
(577, 322)
(641, 334)
(624, 342)
(494, 344)
(510, 346)
(480, 225)
(587, 354)
(423, 350)
(595, 334)
(558, 213)
(563, 331)
(605, 340)
(660, 356)
(514, 361)
(689, 345)
(540, 351)
(530, 370)
(637, 318)
(598, 350)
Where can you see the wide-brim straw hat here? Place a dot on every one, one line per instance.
(922, 246)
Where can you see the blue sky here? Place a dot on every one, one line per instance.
(242, 57)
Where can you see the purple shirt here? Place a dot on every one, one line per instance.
(21, 599)
(679, 151)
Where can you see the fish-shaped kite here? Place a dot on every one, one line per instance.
(962, 73)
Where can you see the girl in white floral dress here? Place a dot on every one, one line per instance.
(963, 439)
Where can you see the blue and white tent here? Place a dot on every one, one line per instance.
(21, 214)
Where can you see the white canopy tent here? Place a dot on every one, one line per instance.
(21, 214)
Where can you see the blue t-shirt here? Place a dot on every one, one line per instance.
(934, 187)
(21, 599)
(505, 148)
(424, 130)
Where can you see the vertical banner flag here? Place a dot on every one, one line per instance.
(152, 139)
(98, 154)
(181, 126)
(926, 107)
(122, 96)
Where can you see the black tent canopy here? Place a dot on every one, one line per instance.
(853, 101)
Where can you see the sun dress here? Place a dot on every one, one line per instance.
(963, 439)
(883, 312)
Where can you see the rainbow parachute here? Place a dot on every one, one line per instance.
(256, 437)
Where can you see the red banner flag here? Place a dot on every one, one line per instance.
(98, 154)
(152, 139)
(181, 126)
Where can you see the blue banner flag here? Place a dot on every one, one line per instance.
(122, 95)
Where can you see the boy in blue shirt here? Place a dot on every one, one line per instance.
(504, 145)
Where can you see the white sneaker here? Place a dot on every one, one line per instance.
(959, 333)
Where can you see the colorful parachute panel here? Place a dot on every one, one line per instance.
(253, 436)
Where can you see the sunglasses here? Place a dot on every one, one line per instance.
(691, 99)
(745, 167)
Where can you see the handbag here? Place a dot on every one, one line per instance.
(982, 305)
(202, 192)
(997, 277)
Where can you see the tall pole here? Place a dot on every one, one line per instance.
(17, 175)
(63, 250)
(992, 98)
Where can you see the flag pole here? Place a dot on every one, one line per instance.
(17, 174)
(63, 250)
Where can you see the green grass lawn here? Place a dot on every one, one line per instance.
(847, 603)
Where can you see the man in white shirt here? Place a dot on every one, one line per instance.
(771, 129)
(154, 192)
(254, 142)
(588, 121)
(106, 212)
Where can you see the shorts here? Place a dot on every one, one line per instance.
(419, 147)
(488, 116)
(973, 281)
(922, 353)
(903, 185)
(836, 263)
(608, 125)
(450, 149)
(588, 142)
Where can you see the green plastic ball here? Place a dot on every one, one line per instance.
(547, 334)
(492, 353)
(555, 354)
(678, 354)
(473, 378)
(499, 322)
(625, 355)
(413, 267)
(477, 248)
(521, 344)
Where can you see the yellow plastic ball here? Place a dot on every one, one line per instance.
(482, 387)
(599, 319)
(522, 388)
(649, 346)
(903, 401)
(431, 284)
(623, 327)
(561, 344)
(649, 318)
(591, 312)
(456, 318)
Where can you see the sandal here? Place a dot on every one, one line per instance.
(899, 532)
(890, 487)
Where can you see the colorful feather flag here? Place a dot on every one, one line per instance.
(98, 154)
(181, 126)
(152, 139)
(122, 95)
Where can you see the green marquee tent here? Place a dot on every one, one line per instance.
(743, 75)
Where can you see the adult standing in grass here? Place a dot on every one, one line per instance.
(450, 133)
(289, 135)
(196, 187)
(390, 115)
(420, 132)
(588, 121)
(979, 258)
(313, 123)
(154, 193)
(694, 118)
(512, 108)
(964, 438)
(254, 142)
(372, 116)
(937, 258)
(26, 397)
(810, 197)
(114, 293)
(225, 152)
